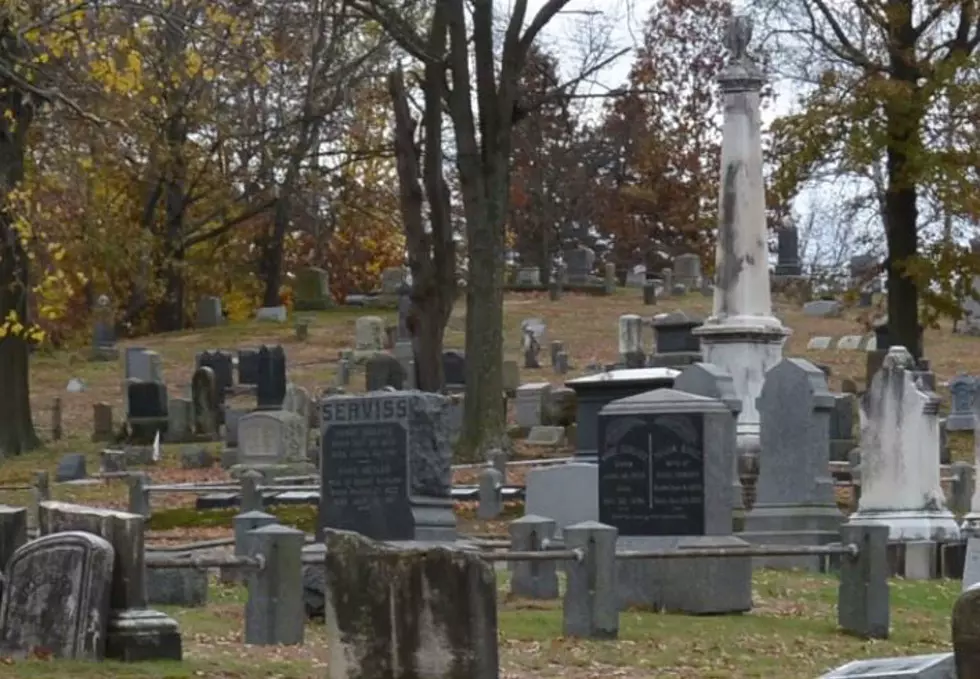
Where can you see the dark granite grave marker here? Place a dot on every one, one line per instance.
(222, 363)
(383, 370)
(248, 366)
(454, 369)
(271, 383)
(651, 474)
(385, 466)
(147, 399)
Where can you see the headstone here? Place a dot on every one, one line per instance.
(819, 343)
(383, 370)
(102, 425)
(147, 413)
(104, 331)
(849, 342)
(184, 587)
(665, 482)
(528, 277)
(788, 252)
(272, 314)
(248, 366)
(312, 290)
(369, 335)
(822, 308)
(385, 465)
(454, 369)
(144, 365)
(795, 502)
(271, 438)
(842, 419)
(546, 436)
(531, 404)
(966, 634)
(631, 350)
(531, 345)
(636, 277)
(900, 479)
(56, 598)
(71, 467)
(297, 400)
(963, 390)
(204, 395)
(233, 417)
(676, 343)
(223, 365)
(209, 314)
(180, 420)
(649, 293)
(687, 271)
(511, 376)
(935, 666)
(271, 382)
(435, 617)
(579, 264)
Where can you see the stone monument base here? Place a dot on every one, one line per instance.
(144, 634)
(434, 519)
(698, 585)
(271, 472)
(798, 525)
(912, 525)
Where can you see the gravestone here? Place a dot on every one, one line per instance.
(454, 370)
(209, 313)
(104, 331)
(147, 414)
(248, 366)
(795, 502)
(274, 442)
(963, 392)
(675, 341)
(966, 634)
(822, 308)
(900, 478)
(531, 404)
(687, 271)
(842, 419)
(56, 598)
(271, 383)
(788, 252)
(297, 400)
(312, 290)
(649, 293)
(631, 351)
(71, 467)
(579, 263)
(531, 346)
(385, 466)
(849, 343)
(369, 332)
(383, 370)
(528, 276)
(223, 365)
(665, 482)
(102, 425)
(710, 381)
(935, 666)
(180, 420)
(144, 365)
(204, 395)
(511, 377)
(819, 343)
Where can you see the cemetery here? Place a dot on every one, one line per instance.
(705, 476)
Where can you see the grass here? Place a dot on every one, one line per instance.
(794, 618)
(792, 625)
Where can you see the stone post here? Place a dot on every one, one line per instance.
(533, 579)
(41, 492)
(591, 609)
(243, 524)
(274, 612)
(56, 413)
(251, 496)
(139, 496)
(490, 502)
(862, 598)
(742, 336)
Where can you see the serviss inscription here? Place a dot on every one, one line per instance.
(365, 470)
(651, 474)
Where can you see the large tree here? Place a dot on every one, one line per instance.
(879, 77)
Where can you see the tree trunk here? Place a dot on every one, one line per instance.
(272, 255)
(428, 329)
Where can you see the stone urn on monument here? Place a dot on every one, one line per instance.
(742, 336)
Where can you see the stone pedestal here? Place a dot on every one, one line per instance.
(900, 479)
(742, 337)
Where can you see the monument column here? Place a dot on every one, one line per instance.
(742, 336)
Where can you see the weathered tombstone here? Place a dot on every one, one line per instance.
(434, 598)
(531, 347)
(248, 366)
(665, 482)
(297, 400)
(134, 633)
(223, 365)
(312, 290)
(56, 599)
(271, 383)
(687, 270)
(71, 467)
(275, 441)
(676, 343)
(209, 313)
(649, 293)
(368, 335)
(490, 504)
(819, 343)
(788, 252)
(531, 404)
(102, 425)
(562, 365)
(528, 276)
(822, 308)
(204, 395)
(609, 280)
(900, 479)
(631, 351)
(144, 365)
(795, 502)
(180, 420)
(934, 666)
(966, 634)
(963, 390)
(113, 461)
(842, 419)
(147, 410)
(385, 466)
(454, 369)
(104, 331)
(383, 370)
(579, 264)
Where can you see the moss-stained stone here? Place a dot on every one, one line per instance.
(408, 611)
